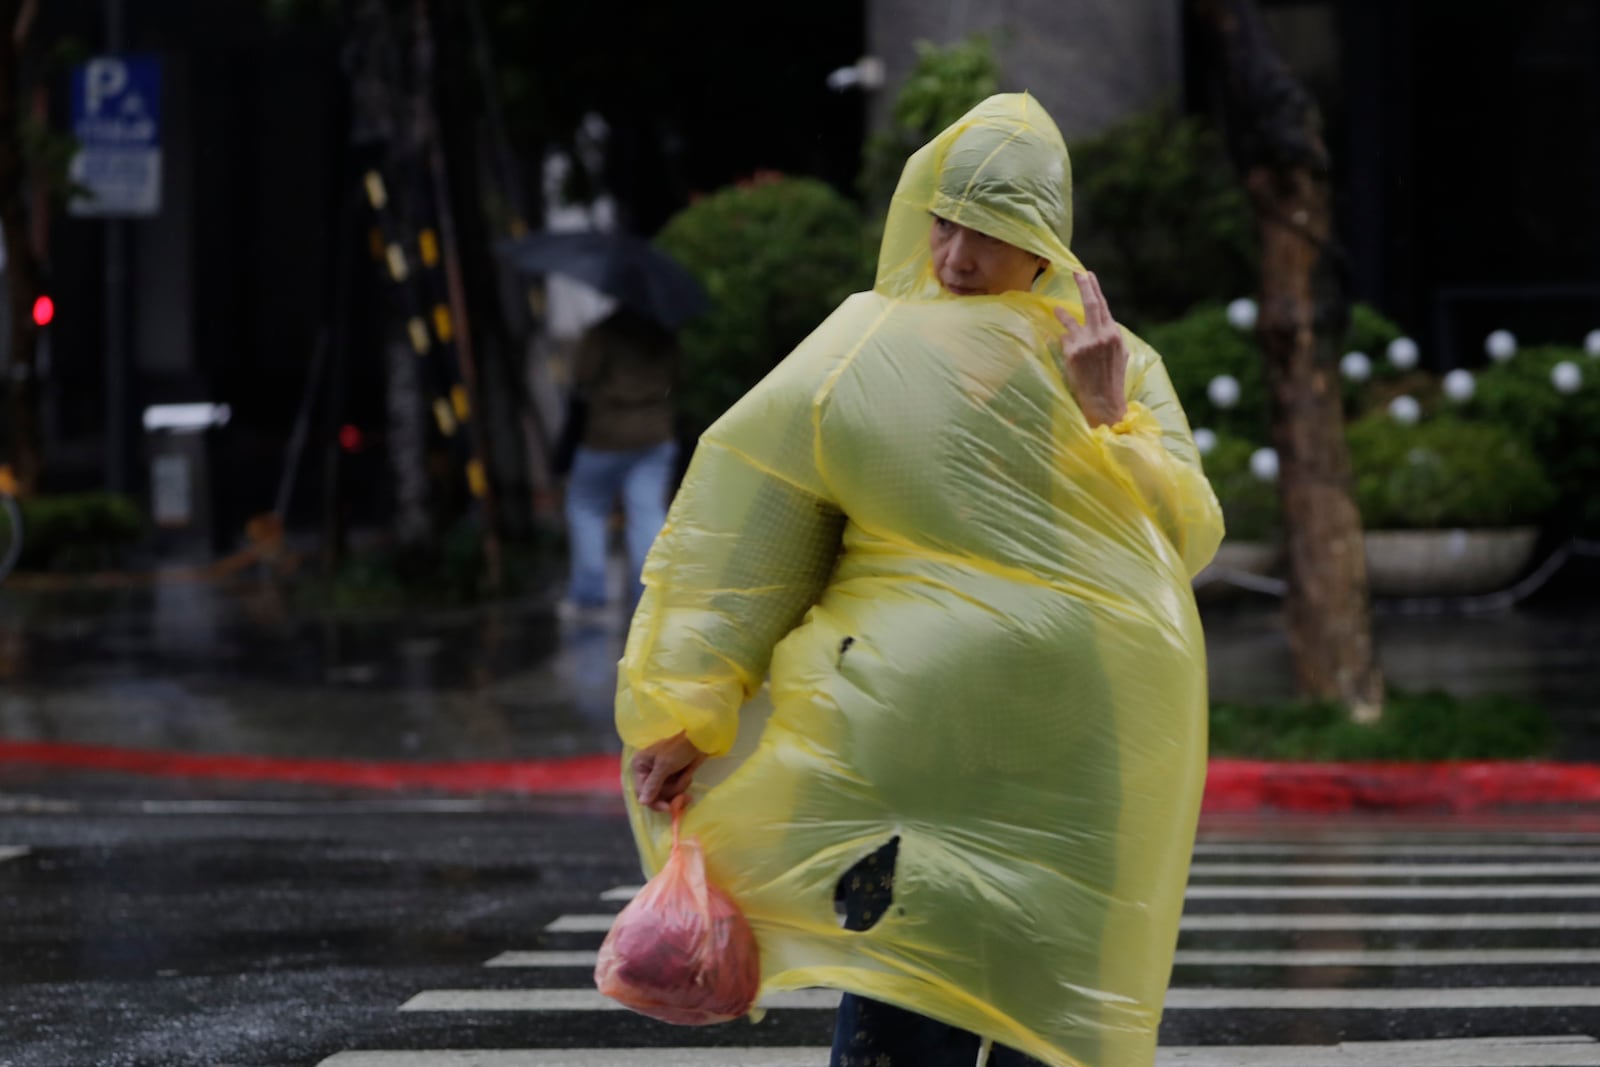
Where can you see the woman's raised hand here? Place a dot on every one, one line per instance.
(1094, 361)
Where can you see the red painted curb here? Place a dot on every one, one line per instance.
(1247, 785)
(1231, 785)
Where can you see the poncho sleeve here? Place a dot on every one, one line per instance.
(1153, 447)
(749, 544)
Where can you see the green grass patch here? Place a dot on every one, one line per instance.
(1415, 726)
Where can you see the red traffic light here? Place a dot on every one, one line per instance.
(350, 438)
(44, 311)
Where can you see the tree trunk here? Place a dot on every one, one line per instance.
(23, 273)
(1275, 132)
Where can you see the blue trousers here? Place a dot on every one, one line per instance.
(642, 477)
(868, 1033)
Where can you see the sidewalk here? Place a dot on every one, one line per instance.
(224, 683)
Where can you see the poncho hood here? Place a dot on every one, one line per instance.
(1002, 170)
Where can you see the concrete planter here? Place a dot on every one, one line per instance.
(1248, 557)
(1447, 562)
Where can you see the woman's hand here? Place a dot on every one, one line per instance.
(663, 771)
(1094, 361)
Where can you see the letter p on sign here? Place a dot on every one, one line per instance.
(105, 78)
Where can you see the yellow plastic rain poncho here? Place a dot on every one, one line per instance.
(976, 616)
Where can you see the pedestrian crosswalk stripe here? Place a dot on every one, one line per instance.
(1497, 890)
(544, 959)
(1178, 999)
(600, 924)
(1563, 1051)
(1210, 891)
(1586, 851)
(1333, 871)
(610, 1057)
(1391, 870)
(1252, 886)
(581, 924)
(1466, 957)
(1398, 838)
(586, 1000)
(11, 852)
(1358, 921)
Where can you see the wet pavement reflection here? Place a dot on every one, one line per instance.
(194, 667)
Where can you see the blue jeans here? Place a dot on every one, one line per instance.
(642, 476)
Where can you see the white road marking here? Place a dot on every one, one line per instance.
(1583, 920)
(1583, 851)
(1483, 835)
(1181, 999)
(1490, 1052)
(544, 959)
(1465, 957)
(1493, 890)
(11, 852)
(1390, 870)
(1397, 921)
(623, 893)
(1478, 998)
(581, 924)
(602, 1057)
(586, 1000)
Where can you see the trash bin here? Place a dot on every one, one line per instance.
(178, 443)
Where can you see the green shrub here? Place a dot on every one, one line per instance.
(1202, 345)
(1445, 473)
(1161, 217)
(1370, 333)
(77, 531)
(1250, 506)
(776, 256)
(1415, 726)
(1564, 430)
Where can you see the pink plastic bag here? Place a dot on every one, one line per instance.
(681, 952)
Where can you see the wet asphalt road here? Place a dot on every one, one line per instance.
(155, 921)
(349, 931)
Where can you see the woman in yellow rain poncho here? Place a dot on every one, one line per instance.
(957, 532)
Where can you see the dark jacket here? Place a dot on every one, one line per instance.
(624, 372)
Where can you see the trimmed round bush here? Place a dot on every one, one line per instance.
(1250, 507)
(1563, 429)
(776, 256)
(1446, 473)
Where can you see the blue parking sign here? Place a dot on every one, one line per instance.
(116, 117)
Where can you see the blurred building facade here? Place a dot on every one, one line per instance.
(219, 295)
(1465, 137)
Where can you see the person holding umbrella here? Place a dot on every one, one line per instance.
(623, 373)
(620, 439)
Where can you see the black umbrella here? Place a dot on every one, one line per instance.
(632, 270)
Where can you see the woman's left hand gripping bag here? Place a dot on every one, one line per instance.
(681, 951)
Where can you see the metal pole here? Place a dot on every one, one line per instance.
(455, 287)
(116, 311)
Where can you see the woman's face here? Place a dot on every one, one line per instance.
(969, 263)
